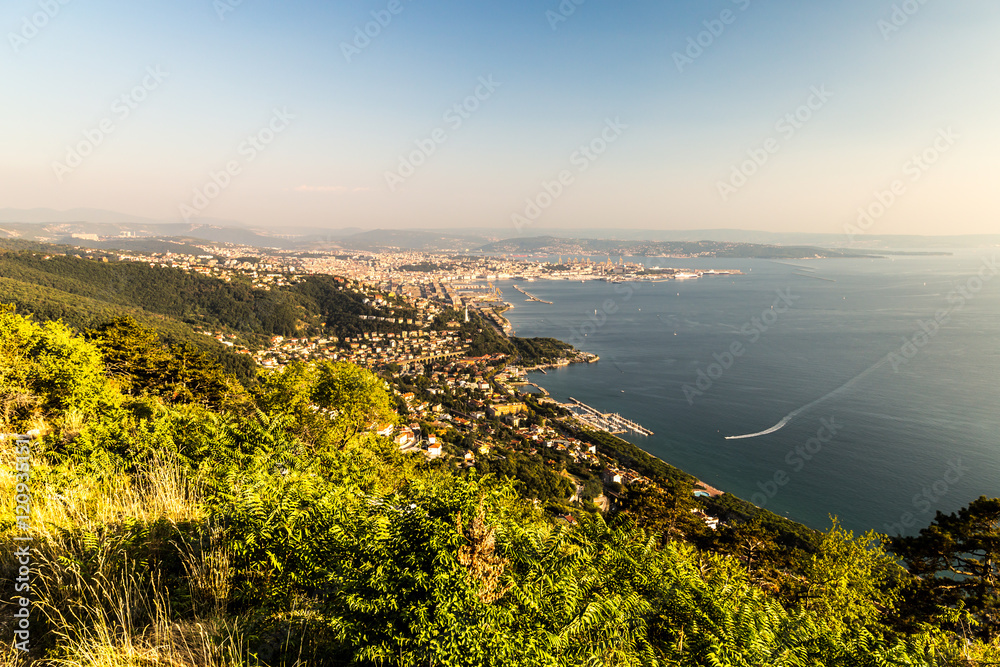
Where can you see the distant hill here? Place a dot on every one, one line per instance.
(379, 239)
(53, 226)
(118, 235)
(840, 240)
(552, 246)
(49, 215)
(95, 215)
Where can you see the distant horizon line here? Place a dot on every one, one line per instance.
(305, 230)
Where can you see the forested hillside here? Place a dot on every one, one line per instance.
(180, 518)
(185, 296)
(54, 284)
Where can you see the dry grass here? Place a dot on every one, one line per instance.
(161, 492)
(199, 644)
(112, 617)
(209, 570)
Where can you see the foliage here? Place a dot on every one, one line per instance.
(81, 312)
(667, 512)
(851, 581)
(46, 372)
(631, 456)
(143, 363)
(788, 534)
(327, 403)
(178, 294)
(957, 559)
(282, 531)
(536, 480)
(339, 308)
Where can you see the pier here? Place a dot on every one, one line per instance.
(531, 297)
(608, 421)
(542, 391)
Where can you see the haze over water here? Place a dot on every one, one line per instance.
(906, 430)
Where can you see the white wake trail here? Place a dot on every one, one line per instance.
(795, 413)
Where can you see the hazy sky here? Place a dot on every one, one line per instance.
(783, 116)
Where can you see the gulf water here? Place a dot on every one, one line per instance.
(917, 426)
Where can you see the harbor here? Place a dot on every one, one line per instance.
(610, 422)
(531, 297)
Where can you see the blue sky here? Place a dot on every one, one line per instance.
(356, 145)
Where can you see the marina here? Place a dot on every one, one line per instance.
(611, 422)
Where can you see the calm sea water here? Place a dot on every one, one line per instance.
(917, 427)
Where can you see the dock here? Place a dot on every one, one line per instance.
(542, 391)
(611, 422)
(531, 297)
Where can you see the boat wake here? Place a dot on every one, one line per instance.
(777, 427)
(795, 413)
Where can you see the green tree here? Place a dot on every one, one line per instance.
(329, 403)
(134, 356)
(142, 363)
(957, 560)
(754, 546)
(851, 581)
(667, 512)
(47, 372)
(358, 397)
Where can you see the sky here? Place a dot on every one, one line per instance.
(854, 117)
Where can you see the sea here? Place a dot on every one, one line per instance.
(867, 389)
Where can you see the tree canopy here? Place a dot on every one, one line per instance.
(273, 527)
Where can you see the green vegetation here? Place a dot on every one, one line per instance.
(735, 509)
(628, 455)
(534, 478)
(487, 340)
(53, 283)
(82, 291)
(957, 560)
(180, 295)
(339, 307)
(180, 518)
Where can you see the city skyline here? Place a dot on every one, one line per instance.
(528, 120)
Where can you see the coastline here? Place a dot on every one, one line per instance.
(717, 502)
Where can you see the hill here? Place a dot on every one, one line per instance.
(551, 245)
(177, 518)
(383, 239)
